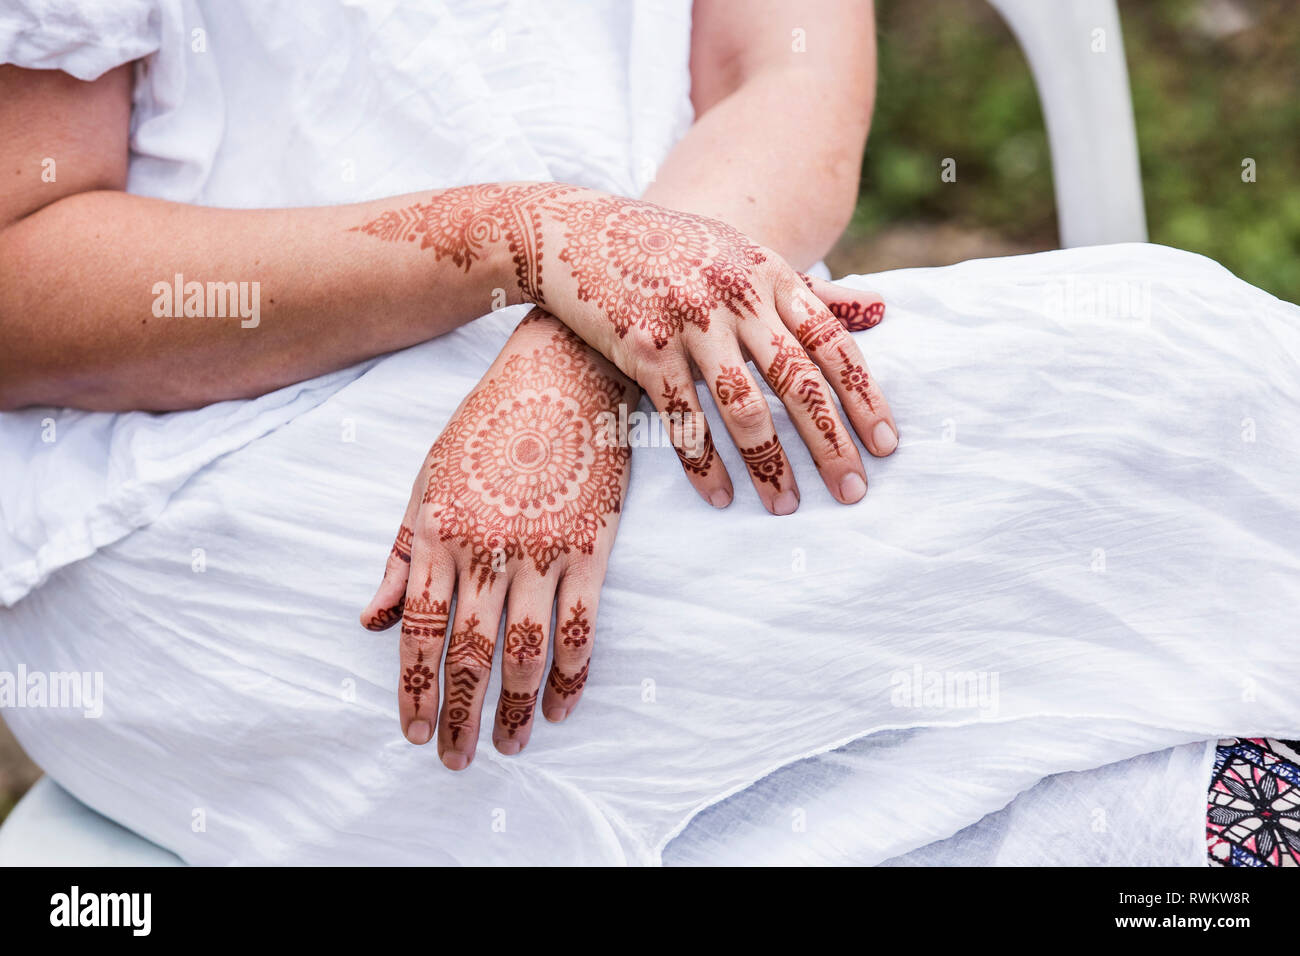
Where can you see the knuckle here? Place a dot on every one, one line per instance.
(748, 412)
(807, 379)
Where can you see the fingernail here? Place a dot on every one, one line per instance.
(719, 499)
(852, 487)
(508, 747)
(454, 760)
(419, 732)
(785, 503)
(884, 438)
(555, 714)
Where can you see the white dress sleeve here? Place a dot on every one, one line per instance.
(85, 38)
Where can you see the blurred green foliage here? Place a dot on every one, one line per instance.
(1214, 82)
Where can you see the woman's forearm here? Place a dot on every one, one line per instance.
(776, 149)
(115, 301)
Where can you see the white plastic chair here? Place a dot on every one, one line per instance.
(1076, 53)
(1089, 116)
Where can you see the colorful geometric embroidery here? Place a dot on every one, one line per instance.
(1253, 816)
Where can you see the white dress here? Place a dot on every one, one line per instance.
(1084, 550)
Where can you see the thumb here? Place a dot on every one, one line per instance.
(385, 608)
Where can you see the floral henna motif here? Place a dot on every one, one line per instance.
(732, 385)
(515, 710)
(419, 679)
(854, 317)
(524, 641)
(576, 631)
(519, 473)
(656, 269)
(764, 461)
(854, 378)
(459, 224)
(567, 686)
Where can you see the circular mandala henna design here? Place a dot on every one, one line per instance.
(519, 472)
(656, 269)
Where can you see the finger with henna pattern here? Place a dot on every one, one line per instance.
(749, 422)
(839, 357)
(424, 631)
(468, 670)
(523, 660)
(854, 309)
(801, 387)
(684, 423)
(575, 632)
(385, 608)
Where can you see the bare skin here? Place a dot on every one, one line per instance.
(80, 258)
(515, 507)
(740, 82)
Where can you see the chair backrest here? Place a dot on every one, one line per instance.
(1076, 54)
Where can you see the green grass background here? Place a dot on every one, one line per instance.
(1214, 82)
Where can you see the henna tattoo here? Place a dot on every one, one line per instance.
(386, 617)
(424, 618)
(519, 474)
(418, 679)
(524, 641)
(459, 224)
(817, 330)
(567, 686)
(657, 269)
(515, 709)
(789, 363)
(852, 315)
(674, 404)
(462, 685)
(577, 629)
(732, 385)
(855, 317)
(702, 463)
(790, 366)
(854, 378)
(402, 546)
(470, 646)
(819, 410)
(764, 461)
(469, 659)
(686, 422)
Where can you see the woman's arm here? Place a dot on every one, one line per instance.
(783, 92)
(86, 269)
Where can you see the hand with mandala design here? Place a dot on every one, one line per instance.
(664, 294)
(515, 511)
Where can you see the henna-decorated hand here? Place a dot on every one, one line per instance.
(517, 504)
(661, 293)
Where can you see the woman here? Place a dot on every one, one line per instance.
(513, 506)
